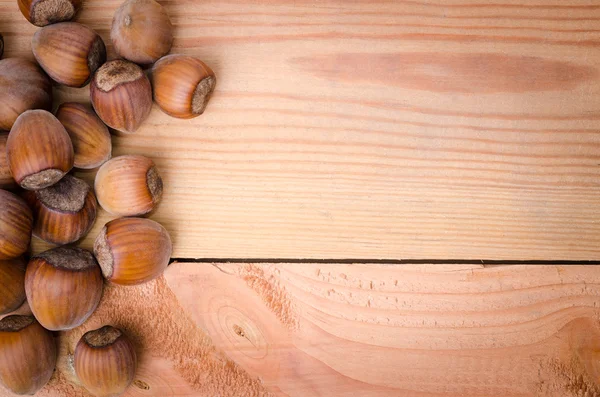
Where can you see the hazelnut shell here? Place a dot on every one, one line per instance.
(105, 361)
(46, 12)
(39, 150)
(128, 185)
(6, 179)
(182, 85)
(133, 250)
(63, 287)
(90, 137)
(121, 95)
(64, 212)
(16, 222)
(12, 284)
(24, 86)
(27, 354)
(141, 31)
(69, 52)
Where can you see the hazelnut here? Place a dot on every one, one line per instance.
(27, 354)
(46, 12)
(133, 250)
(39, 150)
(182, 85)
(24, 86)
(63, 287)
(6, 179)
(64, 212)
(128, 185)
(141, 31)
(121, 95)
(69, 52)
(1, 46)
(105, 361)
(12, 284)
(16, 222)
(90, 137)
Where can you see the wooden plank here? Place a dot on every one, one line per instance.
(375, 330)
(386, 129)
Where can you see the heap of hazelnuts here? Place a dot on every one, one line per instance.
(38, 195)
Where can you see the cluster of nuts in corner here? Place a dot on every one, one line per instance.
(63, 286)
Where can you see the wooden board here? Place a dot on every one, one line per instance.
(216, 330)
(387, 129)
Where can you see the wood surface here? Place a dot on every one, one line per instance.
(376, 129)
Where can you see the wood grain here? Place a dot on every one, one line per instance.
(426, 331)
(377, 129)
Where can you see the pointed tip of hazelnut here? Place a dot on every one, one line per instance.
(202, 94)
(104, 254)
(15, 323)
(51, 11)
(102, 337)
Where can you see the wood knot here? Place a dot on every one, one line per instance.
(141, 384)
(239, 330)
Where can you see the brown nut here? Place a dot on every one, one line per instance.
(64, 212)
(69, 52)
(90, 137)
(24, 86)
(128, 185)
(6, 179)
(1, 46)
(16, 222)
(133, 250)
(12, 284)
(46, 12)
(63, 287)
(121, 95)
(27, 354)
(105, 361)
(39, 150)
(182, 85)
(141, 31)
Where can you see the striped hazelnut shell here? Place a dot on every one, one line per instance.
(128, 185)
(63, 287)
(182, 85)
(105, 361)
(24, 86)
(16, 223)
(121, 95)
(46, 12)
(39, 150)
(6, 179)
(27, 354)
(141, 31)
(12, 284)
(69, 52)
(64, 212)
(1, 45)
(90, 137)
(133, 250)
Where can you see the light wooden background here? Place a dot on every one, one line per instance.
(369, 129)
(362, 130)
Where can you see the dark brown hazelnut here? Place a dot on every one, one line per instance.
(182, 85)
(6, 179)
(90, 137)
(121, 95)
(69, 52)
(46, 12)
(39, 150)
(12, 284)
(16, 222)
(24, 86)
(128, 185)
(105, 361)
(133, 250)
(64, 212)
(27, 354)
(141, 31)
(63, 287)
